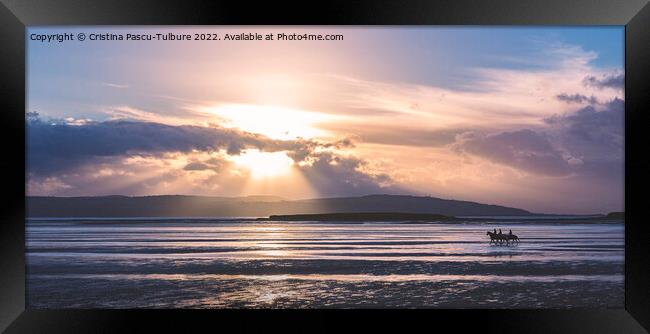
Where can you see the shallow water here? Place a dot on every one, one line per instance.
(195, 263)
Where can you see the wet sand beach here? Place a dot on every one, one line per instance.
(189, 263)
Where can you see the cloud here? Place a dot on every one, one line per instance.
(616, 80)
(335, 175)
(589, 141)
(393, 134)
(212, 164)
(576, 98)
(138, 175)
(595, 125)
(114, 85)
(54, 146)
(47, 185)
(525, 149)
(173, 117)
(117, 156)
(596, 134)
(197, 166)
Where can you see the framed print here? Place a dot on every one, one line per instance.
(392, 163)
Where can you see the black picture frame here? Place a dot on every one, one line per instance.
(16, 15)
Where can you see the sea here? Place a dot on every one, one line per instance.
(244, 263)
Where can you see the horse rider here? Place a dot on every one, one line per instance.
(510, 233)
(495, 231)
(500, 232)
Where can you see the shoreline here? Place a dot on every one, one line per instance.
(341, 218)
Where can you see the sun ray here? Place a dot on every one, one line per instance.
(272, 121)
(262, 165)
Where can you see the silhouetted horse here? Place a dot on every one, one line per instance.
(512, 237)
(500, 238)
(495, 237)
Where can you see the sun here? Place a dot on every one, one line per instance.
(264, 164)
(271, 121)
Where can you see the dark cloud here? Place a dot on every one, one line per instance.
(586, 143)
(333, 175)
(602, 126)
(576, 98)
(197, 166)
(595, 135)
(605, 81)
(300, 149)
(55, 146)
(526, 150)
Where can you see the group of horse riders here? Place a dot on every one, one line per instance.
(500, 237)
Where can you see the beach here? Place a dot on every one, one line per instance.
(244, 263)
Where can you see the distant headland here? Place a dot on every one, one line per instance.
(388, 207)
(253, 206)
(616, 215)
(359, 216)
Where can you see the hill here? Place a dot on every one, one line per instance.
(205, 206)
(360, 216)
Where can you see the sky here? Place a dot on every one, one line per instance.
(528, 117)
